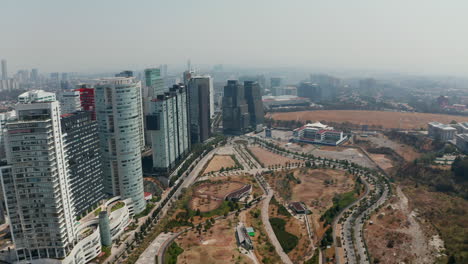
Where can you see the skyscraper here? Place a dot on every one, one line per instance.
(235, 110)
(87, 99)
(119, 115)
(36, 183)
(309, 90)
(254, 102)
(4, 70)
(84, 160)
(199, 108)
(154, 82)
(70, 101)
(126, 73)
(168, 125)
(34, 75)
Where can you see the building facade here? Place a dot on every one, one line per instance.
(87, 99)
(441, 131)
(119, 115)
(310, 90)
(84, 160)
(235, 110)
(253, 98)
(199, 97)
(36, 184)
(70, 101)
(168, 119)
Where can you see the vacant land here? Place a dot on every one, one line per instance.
(219, 162)
(395, 229)
(209, 196)
(447, 214)
(314, 187)
(216, 245)
(268, 158)
(385, 119)
(408, 153)
(382, 161)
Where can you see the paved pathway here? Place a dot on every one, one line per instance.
(153, 249)
(269, 229)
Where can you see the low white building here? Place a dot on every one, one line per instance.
(318, 133)
(441, 131)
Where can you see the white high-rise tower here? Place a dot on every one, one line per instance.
(119, 113)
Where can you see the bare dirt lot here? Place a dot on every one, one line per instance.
(406, 152)
(396, 235)
(209, 196)
(385, 119)
(268, 158)
(217, 245)
(218, 162)
(381, 160)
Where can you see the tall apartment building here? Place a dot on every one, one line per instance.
(199, 94)
(235, 110)
(168, 126)
(253, 98)
(87, 99)
(84, 160)
(329, 85)
(70, 101)
(119, 115)
(36, 183)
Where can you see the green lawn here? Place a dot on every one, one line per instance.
(287, 240)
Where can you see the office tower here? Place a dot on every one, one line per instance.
(64, 76)
(154, 82)
(329, 85)
(309, 90)
(168, 125)
(4, 70)
(34, 75)
(125, 74)
(119, 114)
(186, 76)
(163, 68)
(84, 160)
(70, 101)
(36, 183)
(253, 98)
(235, 111)
(36, 96)
(199, 108)
(276, 85)
(87, 99)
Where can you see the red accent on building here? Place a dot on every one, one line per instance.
(87, 100)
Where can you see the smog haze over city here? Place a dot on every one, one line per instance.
(240, 132)
(422, 36)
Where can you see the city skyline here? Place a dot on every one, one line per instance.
(424, 37)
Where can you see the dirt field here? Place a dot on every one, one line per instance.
(406, 152)
(395, 229)
(218, 162)
(217, 245)
(382, 161)
(268, 158)
(209, 196)
(385, 119)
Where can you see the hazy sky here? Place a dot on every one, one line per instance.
(423, 36)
